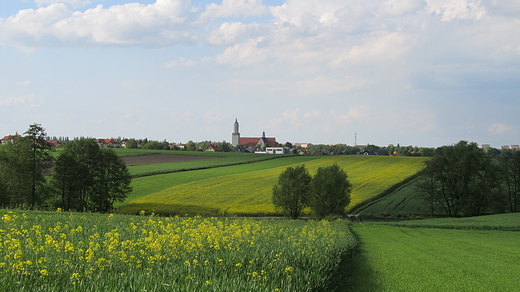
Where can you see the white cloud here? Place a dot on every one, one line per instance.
(456, 9)
(400, 7)
(133, 24)
(230, 33)
(30, 101)
(183, 62)
(246, 54)
(23, 83)
(377, 48)
(234, 8)
(499, 128)
(320, 85)
(73, 3)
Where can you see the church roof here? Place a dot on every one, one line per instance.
(253, 141)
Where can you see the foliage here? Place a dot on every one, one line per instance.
(190, 146)
(61, 251)
(463, 181)
(404, 259)
(290, 195)
(511, 174)
(24, 162)
(131, 144)
(329, 192)
(87, 177)
(156, 145)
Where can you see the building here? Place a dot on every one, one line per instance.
(212, 148)
(258, 142)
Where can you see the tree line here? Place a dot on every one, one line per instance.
(83, 177)
(463, 180)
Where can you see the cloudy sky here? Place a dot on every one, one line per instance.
(413, 72)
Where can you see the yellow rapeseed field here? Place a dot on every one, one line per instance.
(249, 193)
(95, 252)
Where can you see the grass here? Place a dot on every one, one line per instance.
(506, 222)
(429, 259)
(61, 251)
(246, 189)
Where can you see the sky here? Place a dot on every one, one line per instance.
(410, 72)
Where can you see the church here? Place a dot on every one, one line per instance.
(259, 142)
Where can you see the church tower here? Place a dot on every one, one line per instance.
(235, 137)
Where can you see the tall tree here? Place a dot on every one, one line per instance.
(461, 179)
(329, 192)
(112, 183)
(290, 195)
(41, 162)
(90, 178)
(15, 167)
(511, 173)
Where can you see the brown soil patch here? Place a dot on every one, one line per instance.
(153, 159)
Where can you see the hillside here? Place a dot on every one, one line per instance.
(246, 189)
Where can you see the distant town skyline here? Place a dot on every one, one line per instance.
(413, 72)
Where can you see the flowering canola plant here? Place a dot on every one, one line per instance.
(99, 252)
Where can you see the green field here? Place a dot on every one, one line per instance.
(220, 159)
(246, 189)
(403, 200)
(437, 259)
(62, 251)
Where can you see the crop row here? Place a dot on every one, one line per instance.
(246, 189)
(51, 251)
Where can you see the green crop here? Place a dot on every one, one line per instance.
(62, 251)
(404, 259)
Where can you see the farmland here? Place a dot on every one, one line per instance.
(61, 251)
(64, 251)
(394, 258)
(245, 189)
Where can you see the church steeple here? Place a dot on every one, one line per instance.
(235, 127)
(235, 137)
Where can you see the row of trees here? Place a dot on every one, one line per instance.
(462, 180)
(326, 194)
(83, 177)
(342, 149)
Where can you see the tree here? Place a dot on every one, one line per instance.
(511, 173)
(329, 192)
(191, 146)
(87, 177)
(112, 181)
(290, 195)
(15, 168)
(461, 179)
(131, 144)
(41, 162)
(225, 146)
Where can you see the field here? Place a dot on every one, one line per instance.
(245, 189)
(61, 251)
(437, 259)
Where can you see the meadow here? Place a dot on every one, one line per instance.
(392, 258)
(62, 251)
(245, 190)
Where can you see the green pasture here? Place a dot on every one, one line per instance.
(505, 222)
(430, 259)
(246, 189)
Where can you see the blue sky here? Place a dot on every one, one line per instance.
(413, 72)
